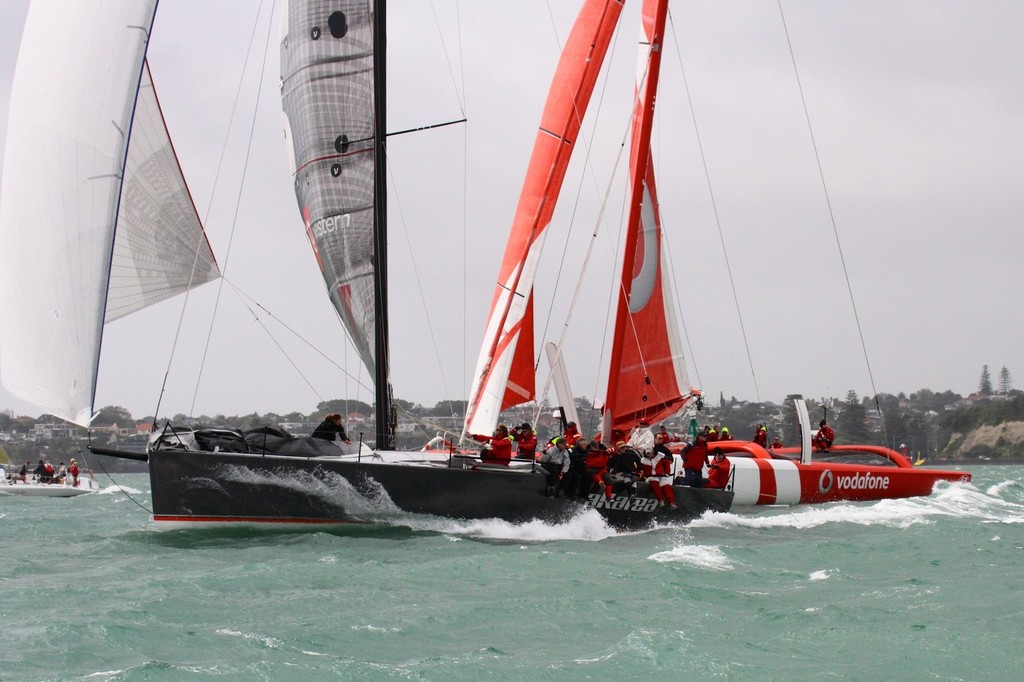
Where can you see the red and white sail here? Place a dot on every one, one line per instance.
(505, 373)
(647, 371)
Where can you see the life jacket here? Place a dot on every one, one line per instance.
(48, 468)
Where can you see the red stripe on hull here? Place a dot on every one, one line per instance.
(769, 490)
(163, 518)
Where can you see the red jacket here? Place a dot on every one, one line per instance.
(695, 456)
(761, 438)
(718, 473)
(527, 443)
(501, 448)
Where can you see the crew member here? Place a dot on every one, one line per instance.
(761, 436)
(497, 448)
(597, 467)
(555, 461)
(725, 435)
(526, 437)
(572, 433)
(777, 442)
(623, 469)
(331, 428)
(824, 437)
(718, 470)
(73, 471)
(642, 439)
(694, 458)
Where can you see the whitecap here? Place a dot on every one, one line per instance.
(707, 557)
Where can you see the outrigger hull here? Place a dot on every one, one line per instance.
(204, 488)
(858, 473)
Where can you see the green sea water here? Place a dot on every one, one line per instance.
(919, 589)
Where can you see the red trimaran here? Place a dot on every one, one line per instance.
(647, 373)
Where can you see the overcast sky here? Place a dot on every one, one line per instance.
(917, 110)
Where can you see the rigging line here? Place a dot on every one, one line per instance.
(465, 203)
(718, 220)
(828, 202)
(246, 297)
(234, 218)
(99, 463)
(419, 283)
(209, 208)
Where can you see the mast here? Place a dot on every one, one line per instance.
(385, 426)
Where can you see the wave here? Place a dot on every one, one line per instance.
(949, 500)
(707, 557)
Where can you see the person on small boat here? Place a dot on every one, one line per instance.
(555, 461)
(24, 472)
(694, 457)
(73, 472)
(497, 448)
(642, 439)
(623, 469)
(62, 473)
(718, 470)
(824, 437)
(43, 471)
(761, 436)
(526, 437)
(331, 428)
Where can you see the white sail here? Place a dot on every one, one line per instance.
(72, 105)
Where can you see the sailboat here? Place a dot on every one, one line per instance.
(118, 232)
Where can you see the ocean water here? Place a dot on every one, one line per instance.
(919, 589)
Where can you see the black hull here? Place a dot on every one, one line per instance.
(204, 487)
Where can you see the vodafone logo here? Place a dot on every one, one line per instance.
(862, 482)
(865, 481)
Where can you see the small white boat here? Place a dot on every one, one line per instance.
(11, 484)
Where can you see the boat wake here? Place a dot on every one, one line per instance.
(961, 500)
(588, 525)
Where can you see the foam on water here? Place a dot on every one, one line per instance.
(588, 525)
(707, 557)
(118, 489)
(949, 499)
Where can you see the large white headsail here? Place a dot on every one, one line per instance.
(160, 248)
(70, 119)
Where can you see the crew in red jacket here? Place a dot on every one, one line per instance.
(694, 458)
(572, 433)
(718, 470)
(597, 467)
(761, 436)
(824, 437)
(527, 439)
(497, 448)
(73, 471)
